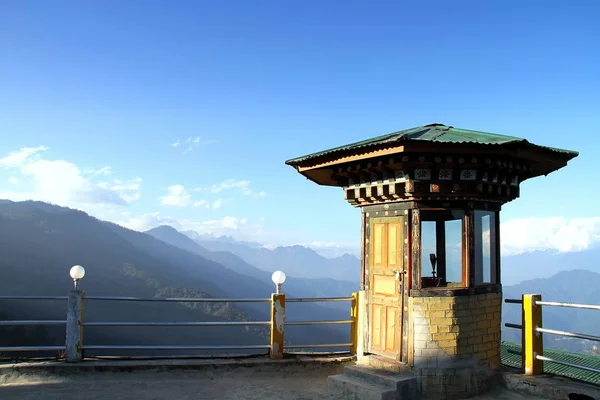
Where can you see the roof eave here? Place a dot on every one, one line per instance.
(335, 157)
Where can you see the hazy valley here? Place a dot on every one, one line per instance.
(40, 242)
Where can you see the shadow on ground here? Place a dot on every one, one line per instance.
(293, 382)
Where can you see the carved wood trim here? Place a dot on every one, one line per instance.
(416, 248)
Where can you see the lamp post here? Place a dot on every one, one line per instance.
(278, 279)
(277, 316)
(77, 273)
(74, 337)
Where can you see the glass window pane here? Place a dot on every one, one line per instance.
(442, 246)
(454, 261)
(485, 247)
(428, 246)
(377, 240)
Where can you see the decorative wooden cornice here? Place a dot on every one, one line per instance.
(417, 177)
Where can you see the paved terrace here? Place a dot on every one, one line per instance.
(299, 378)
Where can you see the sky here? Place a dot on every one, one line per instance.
(183, 113)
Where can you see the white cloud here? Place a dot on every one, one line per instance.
(226, 225)
(13, 180)
(129, 189)
(207, 204)
(333, 249)
(177, 197)
(202, 203)
(104, 171)
(329, 245)
(243, 186)
(192, 142)
(217, 204)
(17, 158)
(62, 182)
(554, 233)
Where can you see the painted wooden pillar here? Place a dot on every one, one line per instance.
(533, 344)
(277, 324)
(74, 334)
(354, 325)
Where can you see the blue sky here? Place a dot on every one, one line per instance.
(116, 84)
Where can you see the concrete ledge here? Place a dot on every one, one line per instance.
(130, 365)
(547, 386)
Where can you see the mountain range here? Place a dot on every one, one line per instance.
(301, 261)
(542, 264)
(40, 242)
(298, 261)
(568, 277)
(230, 258)
(573, 286)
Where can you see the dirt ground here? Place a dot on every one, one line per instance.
(294, 382)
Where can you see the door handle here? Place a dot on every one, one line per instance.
(399, 279)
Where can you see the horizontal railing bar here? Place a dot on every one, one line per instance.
(316, 299)
(32, 322)
(513, 301)
(33, 297)
(569, 334)
(516, 326)
(32, 348)
(310, 346)
(571, 305)
(175, 347)
(349, 321)
(542, 358)
(178, 299)
(201, 323)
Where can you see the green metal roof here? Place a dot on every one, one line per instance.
(432, 133)
(510, 353)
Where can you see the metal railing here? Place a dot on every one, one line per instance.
(75, 349)
(33, 323)
(532, 347)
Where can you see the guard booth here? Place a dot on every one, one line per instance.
(430, 287)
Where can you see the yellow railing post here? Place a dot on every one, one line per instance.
(533, 344)
(277, 324)
(354, 325)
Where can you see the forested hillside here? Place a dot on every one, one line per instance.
(575, 286)
(40, 242)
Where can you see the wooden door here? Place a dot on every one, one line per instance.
(386, 277)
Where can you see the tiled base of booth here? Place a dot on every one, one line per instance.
(436, 383)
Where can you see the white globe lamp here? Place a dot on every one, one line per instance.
(278, 279)
(77, 273)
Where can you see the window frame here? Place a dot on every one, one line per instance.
(468, 251)
(494, 243)
(464, 284)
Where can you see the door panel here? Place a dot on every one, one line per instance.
(393, 320)
(394, 247)
(384, 285)
(377, 324)
(386, 257)
(379, 244)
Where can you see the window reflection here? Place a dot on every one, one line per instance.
(485, 247)
(442, 248)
